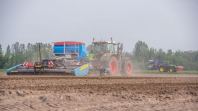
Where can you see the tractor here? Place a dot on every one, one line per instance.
(103, 55)
(165, 66)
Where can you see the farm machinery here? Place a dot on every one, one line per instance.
(105, 58)
(65, 58)
(155, 64)
(164, 66)
(70, 58)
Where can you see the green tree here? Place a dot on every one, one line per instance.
(1, 58)
(152, 53)
(89, 48)
(7, 58)
(141, 51)
(141, 55)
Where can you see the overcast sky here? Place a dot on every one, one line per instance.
(166, 24)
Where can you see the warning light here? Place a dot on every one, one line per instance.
(31, 64)
(38, 62)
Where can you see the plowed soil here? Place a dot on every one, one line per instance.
(117, 93)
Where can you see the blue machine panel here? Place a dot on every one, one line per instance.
(82, 50)
(82, 70)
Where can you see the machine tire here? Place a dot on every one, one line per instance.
(161, 69)
(127, 69)
(171, 70)
(112, 63)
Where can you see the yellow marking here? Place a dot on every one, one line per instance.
(85, 66)
(90, 58)
(38, 66)
(14, 71)
(68, 71)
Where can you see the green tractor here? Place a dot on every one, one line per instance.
(165, 66)
(103, 55)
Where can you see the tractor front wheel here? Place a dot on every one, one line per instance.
(113, 65)
(171, 70)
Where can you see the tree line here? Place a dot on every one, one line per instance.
(19, 53)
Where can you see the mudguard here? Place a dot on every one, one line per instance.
(106, 58)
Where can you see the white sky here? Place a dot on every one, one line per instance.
(166, 24)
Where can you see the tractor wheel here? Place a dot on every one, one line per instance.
(113, 65)
(161, 69)
(128, 67)
(171, 70)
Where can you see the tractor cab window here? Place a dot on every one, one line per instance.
(165, 63)
(100, 48)
(110, 48)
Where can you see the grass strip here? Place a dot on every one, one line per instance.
(3, 69)
(157, 72)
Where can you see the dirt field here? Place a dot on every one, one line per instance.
(145, 92)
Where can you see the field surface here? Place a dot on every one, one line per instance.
(146, 92)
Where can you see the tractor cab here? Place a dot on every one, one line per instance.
(103, 47)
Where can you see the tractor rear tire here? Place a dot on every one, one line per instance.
(162, 69)
(128, 67)
(112, 63)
